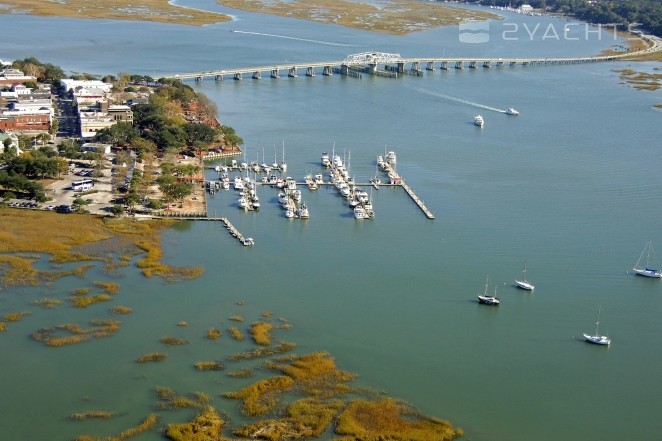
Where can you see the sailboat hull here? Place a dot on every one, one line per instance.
(648, 273)
(597, 339)
(524, 285)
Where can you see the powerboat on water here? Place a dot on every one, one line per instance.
(479, 121)
(512, 111)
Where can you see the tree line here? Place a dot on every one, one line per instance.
(624, 12)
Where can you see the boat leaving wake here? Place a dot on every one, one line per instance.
(458, 100)
(327, 43)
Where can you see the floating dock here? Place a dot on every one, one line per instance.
(246, 241)
(417, 200)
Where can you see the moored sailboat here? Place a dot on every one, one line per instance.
(488, 299)
(597, 339)
(646, 270)
(523, 284)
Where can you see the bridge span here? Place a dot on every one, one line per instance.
(394, 65)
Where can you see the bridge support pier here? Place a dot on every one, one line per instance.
(310, 72)
(513, 63)
(198, 79)
(472, 65)
(237, 76)
(327, 71)
(444, 65)
(218, 77)
(499, 63)
(401, 67)
(459, 65)
(257, 75)
(344, 69)
(292, 72)
(486, 64)
(430, 65)
(415, 66)
(275, 74)
(372, 68)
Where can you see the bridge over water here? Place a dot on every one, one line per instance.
(394, 65)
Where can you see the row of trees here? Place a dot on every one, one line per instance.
(646, 12)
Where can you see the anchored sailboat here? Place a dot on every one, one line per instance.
(646, 270)
(598, 339)
(488, 299)
(523, 283)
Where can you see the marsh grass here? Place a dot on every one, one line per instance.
(304, 419)
(261, 333)
(209, 366)
(147, 424)
(640, 80)
(213, 334)
(3, 327)
(80, 291)
(263, 352)
(76, 333)
(69, 239)
(92, 414)
(267, 314)
(236, 333)
(389, 419)
(173, 341)
(168, 399)
(15, 316)
(261, 397)
(151, 357)
(84, 302)
(47, 303)
(119, 309)
(241, 373)
(237, 318)
(146, 10)
(107, 287)
(394, 17)
(206, 426)
(182, 324)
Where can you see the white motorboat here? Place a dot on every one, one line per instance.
(326, 161)
(319, 179)
(242, 202)
(289, 213)
(283, 198)
(359, 213)
(646, 270)
(391, 157)
(597, 339)
(238, 183)
(479, 121)
(302, 212)
(375, 182)
(488, 299)
(512, 111)
(523, 283)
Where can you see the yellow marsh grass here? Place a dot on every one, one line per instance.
(119, 309)
(267, 314)
(236, 333)
(146, 10)
(15, 316)
(182, 324)
(206, 426)
(78, 334)
(241, 373)
(108, 287)
(316, 374)
(3, 327)
(96, 414)
(392, 420)
(263, 352)
(305, 419)
(84, 302)
(237, 318)
(393, 17)
(62, 236)
(260, 397)
(173, 341)
(147, 424)
(168, 399)
(213, 334)
(80, 291)
(152, 356)
(261, 333)
(209, 366)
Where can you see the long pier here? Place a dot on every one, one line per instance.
(416, 199)
(395, 65)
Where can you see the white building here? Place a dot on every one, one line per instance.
(71, 85)
(95, 147)
(92, 122)
(13, 142)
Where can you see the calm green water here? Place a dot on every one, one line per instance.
(570, 187)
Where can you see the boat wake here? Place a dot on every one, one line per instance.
(458, 100)
(327, 43)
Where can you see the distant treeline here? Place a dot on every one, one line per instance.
(624, 12)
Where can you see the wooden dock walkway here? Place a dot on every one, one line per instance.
(416, 199)
(246, 241)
